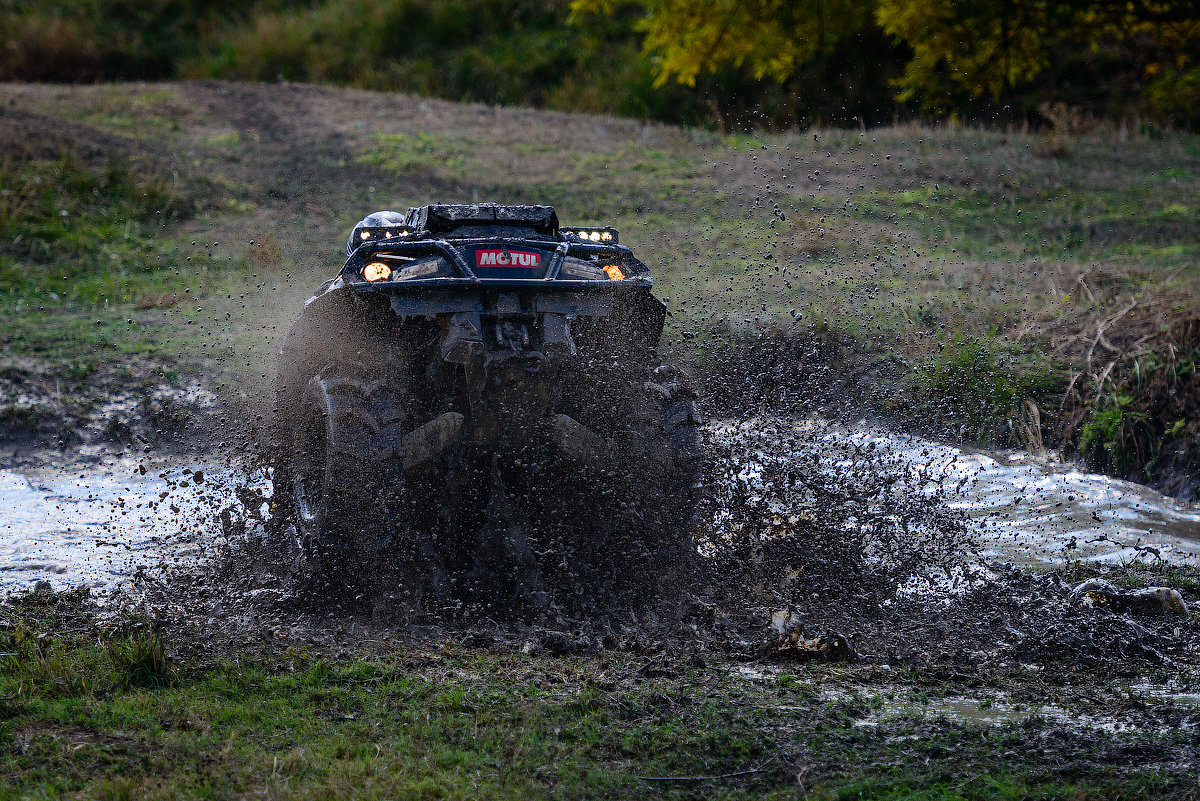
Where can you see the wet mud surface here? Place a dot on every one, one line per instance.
(99, 525)
(892, 588)
(815, 540)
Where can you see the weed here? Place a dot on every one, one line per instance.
(974, 384)
(140, 657)
(165, 413)
(1109, 440)
(1054, 146)
(118, 429)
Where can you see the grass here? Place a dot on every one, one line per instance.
(404, 153)
(965, 255)
(81, 235)
(977, 387)
(101, 711)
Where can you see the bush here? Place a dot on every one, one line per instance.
(976, 388)
(140, 658)
(100, 40)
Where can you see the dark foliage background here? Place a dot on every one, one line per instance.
(725, 65)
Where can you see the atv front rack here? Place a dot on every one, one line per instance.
(636, 273)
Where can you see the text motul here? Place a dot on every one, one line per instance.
(507, 258)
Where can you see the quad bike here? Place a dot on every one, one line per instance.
(475, 403)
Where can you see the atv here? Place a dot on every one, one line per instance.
(475, 404)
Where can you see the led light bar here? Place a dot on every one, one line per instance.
(600, 236)
(364, 234)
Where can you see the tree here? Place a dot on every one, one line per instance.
(772, 38)
(1102, 55)
(977, 47)
(1041, 50)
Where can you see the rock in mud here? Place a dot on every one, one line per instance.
(789, 640)
(1097, 592)
(785, 621)
(830, 647)
(1170, 600)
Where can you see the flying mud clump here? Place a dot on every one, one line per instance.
(805, 532)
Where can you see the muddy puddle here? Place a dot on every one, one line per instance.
(98, 526)
(871, 704)
(1023, 509)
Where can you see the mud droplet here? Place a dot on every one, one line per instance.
(198, 477)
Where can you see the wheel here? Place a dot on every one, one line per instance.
(626, 528)
(667, 430)
(342, 474)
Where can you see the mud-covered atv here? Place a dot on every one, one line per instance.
(475, 405)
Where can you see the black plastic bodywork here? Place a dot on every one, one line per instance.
(479, 322)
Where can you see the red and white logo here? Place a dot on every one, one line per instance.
(508, 258)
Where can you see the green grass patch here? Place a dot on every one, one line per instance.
(1147, 410)
(103, 711)
(82, 235)
(974, 386)
(403, 153)
(990, 221)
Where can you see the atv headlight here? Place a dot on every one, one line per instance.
(582, 270)
(603, 236)
(590, 271)
(380, 233)
(418, 269)
(381, 271)
(377, 271)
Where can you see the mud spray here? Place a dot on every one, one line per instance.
(814, 540)
(817, 536)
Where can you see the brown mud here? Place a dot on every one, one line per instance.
(859, 559)
(131, 406)
(850, 573)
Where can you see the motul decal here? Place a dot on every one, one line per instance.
(508, 258)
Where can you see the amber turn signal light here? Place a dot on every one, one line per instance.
(614, 272)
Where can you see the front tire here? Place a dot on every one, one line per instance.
(341, 474)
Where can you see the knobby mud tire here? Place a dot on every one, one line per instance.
(341, 476)
(674, 426)
(663, 464)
